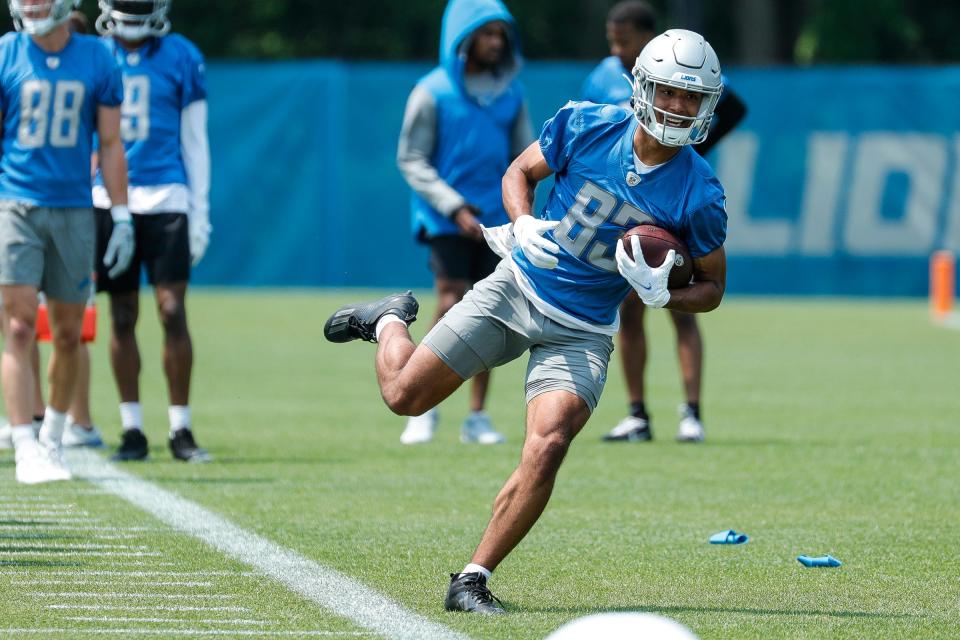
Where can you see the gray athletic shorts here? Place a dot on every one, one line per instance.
(48, 248)
(495, 323)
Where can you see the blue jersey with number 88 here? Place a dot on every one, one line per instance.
(160, 79)
(49, 103)
(597, 195)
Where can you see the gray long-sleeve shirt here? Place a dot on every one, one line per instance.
(418, 138)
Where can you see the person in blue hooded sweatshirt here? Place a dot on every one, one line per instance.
(464, 122)
(556, 296)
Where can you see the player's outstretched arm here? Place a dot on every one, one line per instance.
(709, 284)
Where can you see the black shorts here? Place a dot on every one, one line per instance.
(163, 249)
(459, 258)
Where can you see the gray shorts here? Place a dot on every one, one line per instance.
(48, 248)
(495, 323)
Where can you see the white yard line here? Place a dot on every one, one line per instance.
(136, 574)
(80, 581)
(133, 596)
(101, 606)
(83, 554)
(165, 620)
(259, 633)
(327, 587)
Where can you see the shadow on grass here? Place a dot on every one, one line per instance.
(39, 563)
(37, 536)
(683, 609)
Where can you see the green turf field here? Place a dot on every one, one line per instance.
(833, 427)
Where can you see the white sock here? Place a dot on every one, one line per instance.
(51, 433)
(131, 415)
(385, 320)
(475, 568)
(22, 434)
(179, 417)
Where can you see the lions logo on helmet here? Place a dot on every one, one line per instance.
(134, 19)
(39, 19)
(683, 60)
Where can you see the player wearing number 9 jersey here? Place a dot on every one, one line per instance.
(165, 135)
(56, 90)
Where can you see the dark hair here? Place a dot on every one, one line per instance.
(636, 12)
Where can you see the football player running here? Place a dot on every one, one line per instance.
(57, 90)
(558, 291)
(164, 132)
(630, 26)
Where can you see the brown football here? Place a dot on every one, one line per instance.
(656, 242)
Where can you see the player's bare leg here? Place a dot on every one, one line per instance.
(19, 330)
(124, 350)
(690, 356)
(80, 405)
(177, 366)
(633, 358)
(66, 323)
(412, 379)
(38, 405)
(177, 345)
(553, 421)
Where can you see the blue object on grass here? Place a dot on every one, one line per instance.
(729, 537)
(819, 561)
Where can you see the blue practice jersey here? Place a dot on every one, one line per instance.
(49, 103)
(598, 195)
(160, 79)
(606, 84)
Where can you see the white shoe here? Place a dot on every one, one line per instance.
(76, 436)
(6, 436)
(630, 429)
(691, 429)
(420, 428)
(478, 428)
(35, 466)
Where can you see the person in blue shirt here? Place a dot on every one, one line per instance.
(57, 90)
(630, 26)
(165, 136)
(463, 124)
(558, 291)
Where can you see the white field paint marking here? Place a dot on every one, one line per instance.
(167, 620)
(331, 589)
(132, 596)
(72, 545)
(260, 633)
(83, 554)
(171, 583)
(137, 574)
(75, 516)
(165, 607)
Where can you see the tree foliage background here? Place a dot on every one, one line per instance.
(743, 31)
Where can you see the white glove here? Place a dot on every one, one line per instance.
(199, 238)
(121, 245)
(500, 239)
(649, 282)
(529, 234)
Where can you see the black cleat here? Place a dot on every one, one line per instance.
(183, 447)
(468, 592)
(133, 446)
(355, 321)
(630, 429)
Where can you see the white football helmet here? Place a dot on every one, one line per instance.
(684, 60)
(134, 19)
(40, 18)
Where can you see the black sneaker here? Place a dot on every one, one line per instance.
(184, 447)
(133, 446)
(354, 321)
(468, 592)
(630, 429)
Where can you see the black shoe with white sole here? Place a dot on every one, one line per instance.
(469, 592)
(133, 446)
(184, 447)
(359, 321)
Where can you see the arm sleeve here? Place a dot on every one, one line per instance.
(195, 149)
(707, 229)
(418, 137)
(557, 137)
(522, 133)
